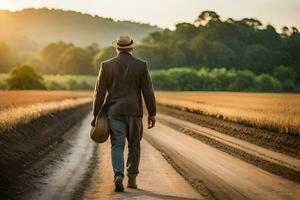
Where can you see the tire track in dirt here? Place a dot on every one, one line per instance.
(274, 162)
(157, 179)
(64, 176)
(225, 176)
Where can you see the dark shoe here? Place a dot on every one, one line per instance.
(119, 184)
(132, 183)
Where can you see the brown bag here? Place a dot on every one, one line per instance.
(100, 132)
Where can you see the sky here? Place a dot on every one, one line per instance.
(166, 13)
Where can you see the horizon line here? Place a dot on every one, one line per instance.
(131, 20)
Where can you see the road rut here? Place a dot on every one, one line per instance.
(225, 176)
(157, 179)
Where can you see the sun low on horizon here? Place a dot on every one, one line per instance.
(167, 13)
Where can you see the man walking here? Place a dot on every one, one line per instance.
(124, 78)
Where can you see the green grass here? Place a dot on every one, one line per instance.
(2, 81)
(61, 82)
(69, 82)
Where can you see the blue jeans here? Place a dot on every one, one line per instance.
(123, 127)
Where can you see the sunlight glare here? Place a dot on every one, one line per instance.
(7, 6)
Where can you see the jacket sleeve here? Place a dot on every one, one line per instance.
(100, 90)
(148, 92)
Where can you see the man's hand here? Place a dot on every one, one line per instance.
(93, 122)
(151, 121)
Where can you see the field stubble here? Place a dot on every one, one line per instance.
(23, 106)
(270, 111)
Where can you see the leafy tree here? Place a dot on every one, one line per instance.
(283, 73)
(178, 57)
(186, 78)
(266, 82)
(162, 80)
(218, 54)
(199, 46)
(218, 79)
(51, 55)
(223, 77)
(93, 49)
(158, 56)
(24, 78)
(54, 85)
(256, 24)
(184, 31)
(102, 55)
(241, 44)
(292, 49)
(207, 16)
(206, 81)
(8, 57)
(76, 61)
(257, 58)
(243, 81)
(289, 86)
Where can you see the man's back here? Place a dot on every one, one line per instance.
(124, 77)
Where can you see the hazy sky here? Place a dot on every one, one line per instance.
(166, 13)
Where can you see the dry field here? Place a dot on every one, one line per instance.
(22, 106)
(276, 112)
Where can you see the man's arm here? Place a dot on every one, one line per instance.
(99, 93)
(149, 98)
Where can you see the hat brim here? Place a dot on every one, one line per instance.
(115, 44)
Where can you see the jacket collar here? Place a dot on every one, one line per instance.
(124, 53)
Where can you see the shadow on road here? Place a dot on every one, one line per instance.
(144, 194)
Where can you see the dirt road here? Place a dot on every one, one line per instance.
(64, 170)
(79, 169)
(221, 175)
(157, 179)
(250, 148)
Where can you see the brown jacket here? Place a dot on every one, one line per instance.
(124, 77)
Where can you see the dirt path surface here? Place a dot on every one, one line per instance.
(157, 179)
(68, 166)
(79, 169)
(222, 175)
(272, 156)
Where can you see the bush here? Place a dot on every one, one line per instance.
(3, 84)
(206, 80)
(283, 73)
(289, 86)
(218, 79)
(163, 81)
(266, 82)
(54, 85)
(70, 82)
(243, 81)
(102, 55)
(186, 78)
(24, 78)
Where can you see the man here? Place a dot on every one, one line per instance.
(125, 77)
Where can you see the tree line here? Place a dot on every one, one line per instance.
(281, 79)
(244, 47)
(54, 58)
(231, 44)
(240, 44)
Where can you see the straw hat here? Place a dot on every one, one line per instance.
(123, 42)
(100, 132)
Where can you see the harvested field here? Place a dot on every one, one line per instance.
(274, 112)
(23, 106)
(16, 98)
